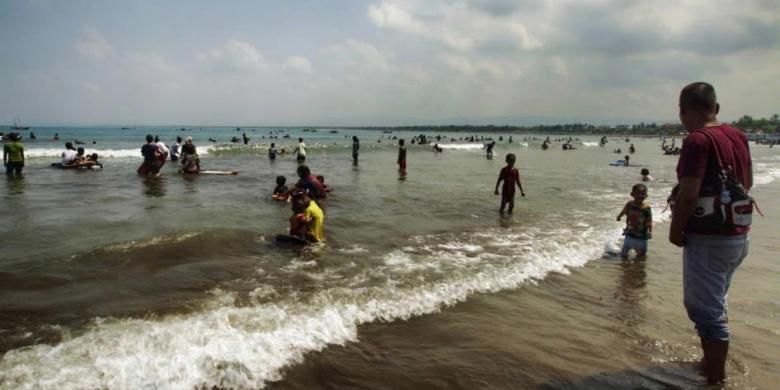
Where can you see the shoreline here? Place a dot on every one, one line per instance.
(645, 339)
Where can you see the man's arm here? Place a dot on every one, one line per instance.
(5, 156)
(684, 205)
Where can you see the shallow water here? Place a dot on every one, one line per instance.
(112, 280)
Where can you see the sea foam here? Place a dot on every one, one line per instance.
(246, 347)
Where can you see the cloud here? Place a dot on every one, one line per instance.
(456, 25)
(404, 61)
(235, 55)
(90, 87)
(93, 45)
(299, 64)
(358, 54)
(620, 28)
(494, 68)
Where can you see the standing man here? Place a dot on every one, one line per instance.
(401, 157)
(300, 151)
(176, 149)
(355, 148)
(711, 251)
(151, 154)
(163, 149)
(13, 156)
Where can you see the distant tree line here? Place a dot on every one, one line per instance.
(746, 123)
(759, 125)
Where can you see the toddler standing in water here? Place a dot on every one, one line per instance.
(510, 176)
(639, 223)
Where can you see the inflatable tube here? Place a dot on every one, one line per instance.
(210, 172)
(218, 173)
(618, 163)
(85, 166)
(288, 240)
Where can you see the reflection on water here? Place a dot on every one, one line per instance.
(630, 292)
(154, 186)
(505, 220)
(189, 183)
(632, 281)
(15, 185)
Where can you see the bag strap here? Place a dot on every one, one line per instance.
(715, 145)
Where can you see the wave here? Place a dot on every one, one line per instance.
(103, 153)
(462, 146)
(246, 347)
(590, 144)
(766, 173)
(234, 346)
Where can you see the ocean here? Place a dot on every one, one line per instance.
(111, 280)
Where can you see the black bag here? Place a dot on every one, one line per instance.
(725, 206)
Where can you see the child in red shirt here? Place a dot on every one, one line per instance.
(510, 176)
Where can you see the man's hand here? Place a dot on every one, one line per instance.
(522, 194)
(677, 238)
(496, 192)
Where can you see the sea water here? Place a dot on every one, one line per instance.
(111, 280)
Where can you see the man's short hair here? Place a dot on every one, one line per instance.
(698, 96)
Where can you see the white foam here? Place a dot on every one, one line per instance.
(590, 144)
(354, 249)
(462, 146)
(245, 347)
(766, 173)
(459, 246)
(103, 153)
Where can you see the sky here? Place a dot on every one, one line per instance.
(382, 62)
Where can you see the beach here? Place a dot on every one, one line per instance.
(111, 280)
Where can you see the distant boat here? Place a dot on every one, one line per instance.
(128, 128)
(17, 125)
(387, 131)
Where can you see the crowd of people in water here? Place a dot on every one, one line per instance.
(711, 207)
(308, 195)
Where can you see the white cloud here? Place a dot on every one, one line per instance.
(454, 24)
(358, 54)
(392, 15)
(422, 60)
(299, 64)
(90, 87)
(93, 45)
(236, 55)
(494, 68)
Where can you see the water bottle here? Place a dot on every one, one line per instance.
(725, 196)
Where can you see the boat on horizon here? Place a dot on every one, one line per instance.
(17, 125)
